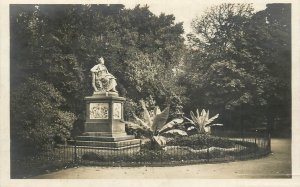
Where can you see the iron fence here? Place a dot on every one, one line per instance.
(221, 146)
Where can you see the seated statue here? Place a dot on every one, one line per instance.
(102, 81)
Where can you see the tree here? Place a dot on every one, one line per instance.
(269, 38)
(234, 61)
(219, 28)
(217, 70)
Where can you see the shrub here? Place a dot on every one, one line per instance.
(37, 119)
(91, 156)
(201, 141)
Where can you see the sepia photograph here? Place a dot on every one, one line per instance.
(150, 90)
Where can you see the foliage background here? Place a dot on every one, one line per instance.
(236, 63)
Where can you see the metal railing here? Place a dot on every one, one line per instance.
(221, 147)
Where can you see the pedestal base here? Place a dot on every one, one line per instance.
(104, 126)
(104, 115)
(109, 143)
(97, 137)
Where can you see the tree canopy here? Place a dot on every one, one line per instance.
(57, 45)
(239, 62)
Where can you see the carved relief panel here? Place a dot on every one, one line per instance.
(117, 111)
(99, 110)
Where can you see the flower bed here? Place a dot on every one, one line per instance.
(200, 148)
(192, 149)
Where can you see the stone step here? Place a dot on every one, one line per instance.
(104, 138)
(131, 148)
(117, 144)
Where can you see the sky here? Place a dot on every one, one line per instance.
(183, 11)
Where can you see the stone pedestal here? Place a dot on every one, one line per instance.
(104, 126)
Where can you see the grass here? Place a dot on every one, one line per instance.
(50, 160)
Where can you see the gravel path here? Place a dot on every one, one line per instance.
(276, 165)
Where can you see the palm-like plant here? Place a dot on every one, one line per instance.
(156, 124)
(202, 122)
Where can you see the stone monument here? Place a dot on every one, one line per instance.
(104, 126)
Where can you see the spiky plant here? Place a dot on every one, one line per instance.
(156, 124)
(202, 122)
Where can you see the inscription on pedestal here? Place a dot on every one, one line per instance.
(99, 110)
(117, 111)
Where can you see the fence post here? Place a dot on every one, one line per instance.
(160, 155)
(207, 154)
(269, 141)
(255, 136)
(140, 151)
(75, 151)
(243, 136)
